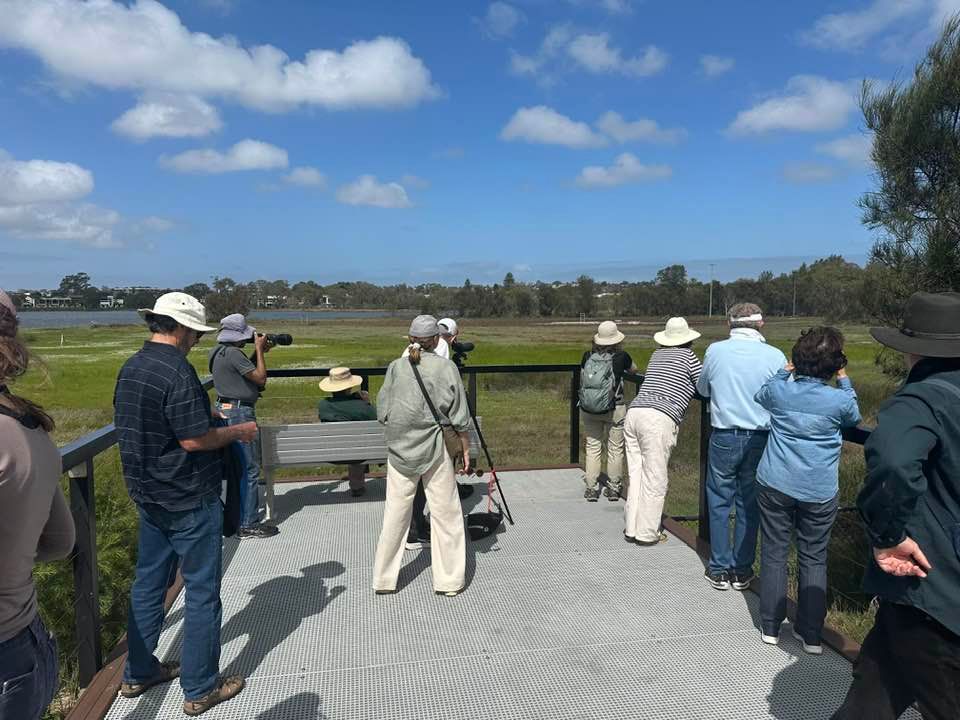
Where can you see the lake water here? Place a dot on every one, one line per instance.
(83, 318)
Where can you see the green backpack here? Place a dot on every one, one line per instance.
(597, 384)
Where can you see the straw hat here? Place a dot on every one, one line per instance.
(185, 309)
(676, 332)
(607, 334)
(339, 379)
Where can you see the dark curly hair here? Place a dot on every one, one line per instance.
(819, 353)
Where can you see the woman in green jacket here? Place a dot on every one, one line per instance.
(346, 404)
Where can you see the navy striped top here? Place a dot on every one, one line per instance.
(670, 382)
(158, 402)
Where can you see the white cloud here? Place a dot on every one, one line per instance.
(245, 155)
(367, 190)
(144, 46)
(593, 52)
(625, 169)
(42, 181)
(83, 223)
(546, 126)
(414, 182)
(306, 176)
(854, 149)
(853, 29)
(168, 115)
(614, 7)
(501, 20)
(809, 104)
(714, 65)
(613, 125)
(808, 173)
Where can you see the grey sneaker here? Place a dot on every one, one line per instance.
(259, 531)
(226, 688)
(612, 493)
(591, 494)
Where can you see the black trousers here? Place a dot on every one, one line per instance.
(907, 657)
(419, 525)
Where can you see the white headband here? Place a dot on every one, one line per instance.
(756, 317)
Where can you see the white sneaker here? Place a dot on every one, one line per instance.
(809, 649)
(770, 639)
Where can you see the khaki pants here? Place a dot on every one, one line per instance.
(448, 545)
(650, 437)
(606, 429)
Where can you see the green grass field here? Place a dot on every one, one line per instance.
(525, 420)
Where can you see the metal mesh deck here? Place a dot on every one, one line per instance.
(561, 619)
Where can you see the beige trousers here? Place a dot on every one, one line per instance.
(448, 544)
(606, 429)
(650, 437)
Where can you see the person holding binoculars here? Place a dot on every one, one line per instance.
(239, 380)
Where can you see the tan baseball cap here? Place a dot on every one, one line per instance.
(185, 309)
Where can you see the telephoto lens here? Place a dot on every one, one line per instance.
(280, 339)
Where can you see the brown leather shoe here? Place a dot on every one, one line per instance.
(168, 671)
(227, 688)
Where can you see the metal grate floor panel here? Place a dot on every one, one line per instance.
(561, 619)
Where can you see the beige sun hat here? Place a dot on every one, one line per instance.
(607, 334)
(676, 332)
(339, 379)
(185, 309)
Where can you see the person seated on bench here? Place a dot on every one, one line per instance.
(419, 393)
(347, 403)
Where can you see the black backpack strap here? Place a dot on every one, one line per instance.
(426, 395)
(221, 349)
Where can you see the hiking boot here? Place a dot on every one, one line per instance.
(358, 492)
(612, 493)
(258, 531)
(741, 581)
(661, 538)
(720, 580)
(226, 688)
(166, 672)
(591, 494)
(807, 648)
(418, 541)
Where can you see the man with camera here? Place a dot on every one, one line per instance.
(239, 380)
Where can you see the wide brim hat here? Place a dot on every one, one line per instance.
(608, 334)
(340, 378)
(185, 309)
(930, 328)
(234, 328)
(676, 332)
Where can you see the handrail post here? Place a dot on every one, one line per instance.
(472, 392)
(703, 513)
(85, 581)
(574, 417)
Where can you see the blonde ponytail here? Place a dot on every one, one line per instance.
(413, 350)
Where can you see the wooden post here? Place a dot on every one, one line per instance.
(85, 574)
(574, 417)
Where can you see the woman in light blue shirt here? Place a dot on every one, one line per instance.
(798, 479)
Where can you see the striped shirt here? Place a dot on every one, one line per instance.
(158, 402)
(670, 382)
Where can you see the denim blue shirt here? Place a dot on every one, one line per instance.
(803, 452)
(733, 371)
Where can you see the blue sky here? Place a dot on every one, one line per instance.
(430, 140)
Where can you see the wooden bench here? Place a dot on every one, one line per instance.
(311, 444)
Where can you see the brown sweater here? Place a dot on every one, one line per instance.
(35, 522)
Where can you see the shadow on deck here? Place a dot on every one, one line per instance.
(561, 619)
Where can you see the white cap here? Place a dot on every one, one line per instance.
(448, 326)
(185, 309)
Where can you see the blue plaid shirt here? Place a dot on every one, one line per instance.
(158, 402)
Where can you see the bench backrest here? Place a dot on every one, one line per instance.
(318, 443)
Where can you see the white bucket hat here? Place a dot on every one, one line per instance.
(676, 332)
(185, 309)
(234, 328)
(447, 326)
(607, 334)
(340, 378)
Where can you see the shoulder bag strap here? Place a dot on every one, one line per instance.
(221, 349)
(426, 395)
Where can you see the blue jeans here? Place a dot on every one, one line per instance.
(732, 483)
(194, 537)
(28, 672)
(780, 515)
(249, 491)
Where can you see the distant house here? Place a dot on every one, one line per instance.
(28, 301)
(57, 303)
(111, 302)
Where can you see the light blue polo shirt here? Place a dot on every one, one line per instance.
(733, 371)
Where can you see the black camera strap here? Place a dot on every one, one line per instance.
(426, 395)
